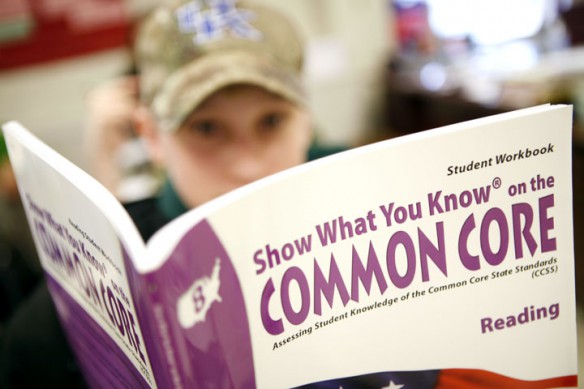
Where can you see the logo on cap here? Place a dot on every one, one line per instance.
(218, 19)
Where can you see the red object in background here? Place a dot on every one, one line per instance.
(413, 30)
(57, 29)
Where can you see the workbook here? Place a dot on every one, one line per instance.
(441, 259)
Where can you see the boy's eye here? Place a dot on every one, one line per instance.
(205, 128)
(272, 120)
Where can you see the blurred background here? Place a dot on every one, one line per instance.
(374, 68)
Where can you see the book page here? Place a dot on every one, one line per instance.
(85, 258)
(443, 256)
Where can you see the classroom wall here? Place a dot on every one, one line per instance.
(348, 43)
(49, 99)
(348, 46)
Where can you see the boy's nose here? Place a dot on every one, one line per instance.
(249, 164)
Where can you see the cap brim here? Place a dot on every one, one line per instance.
(188, 87)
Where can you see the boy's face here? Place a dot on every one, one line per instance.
(238, 135)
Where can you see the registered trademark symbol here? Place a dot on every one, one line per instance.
(496, 183)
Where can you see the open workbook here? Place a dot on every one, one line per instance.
(437, 259)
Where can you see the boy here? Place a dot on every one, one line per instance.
(223, 104)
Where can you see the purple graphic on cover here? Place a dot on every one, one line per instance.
(200, 315)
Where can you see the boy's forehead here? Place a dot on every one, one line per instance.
(247, 90)
(226, 98)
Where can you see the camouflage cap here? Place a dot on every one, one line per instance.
(188, 49)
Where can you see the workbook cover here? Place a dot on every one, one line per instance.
(442, 259)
